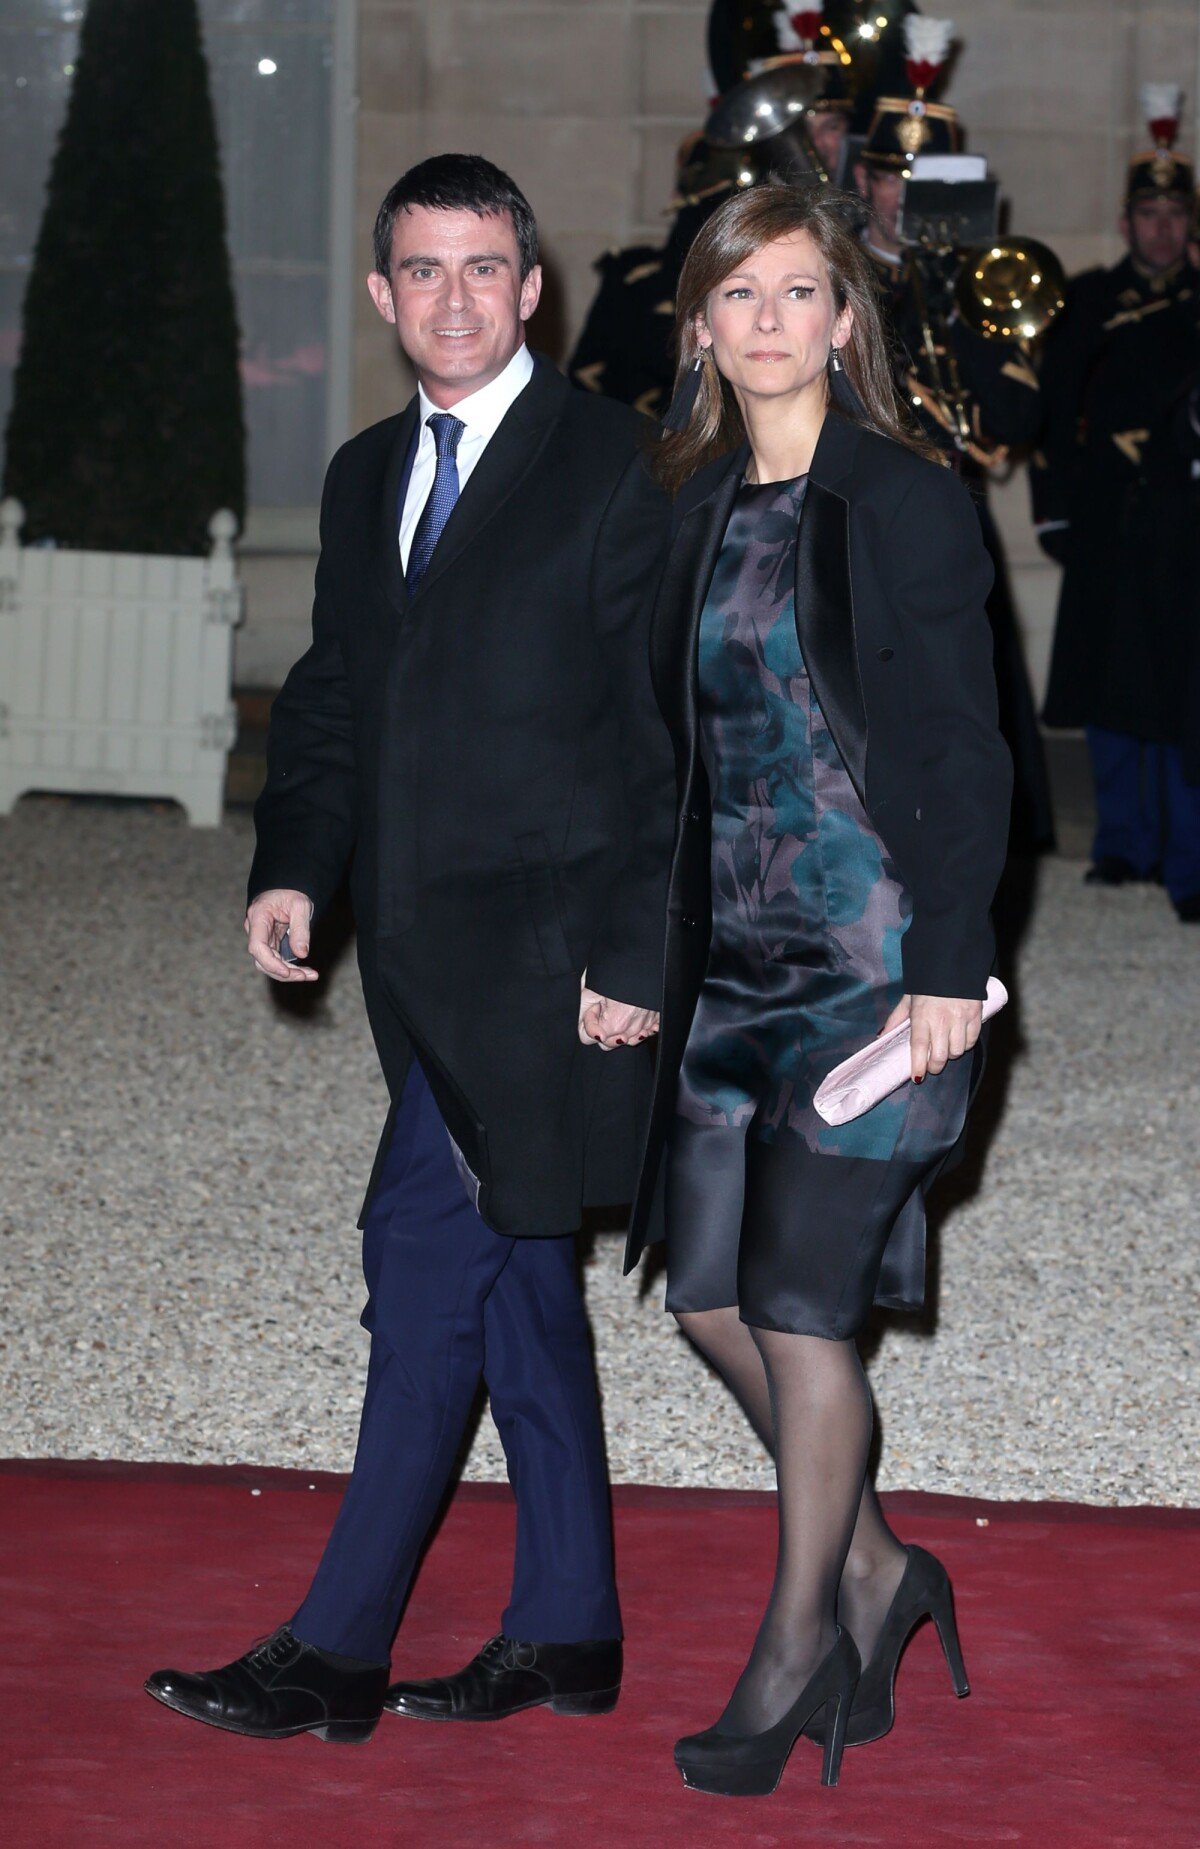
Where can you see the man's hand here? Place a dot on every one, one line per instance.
(608, 1024)
(270, 915)
(941, 1029)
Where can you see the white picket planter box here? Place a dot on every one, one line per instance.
(115, 670)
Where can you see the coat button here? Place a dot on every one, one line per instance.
(885, 654)
(693, 815)
(688, 922)
(918, 815)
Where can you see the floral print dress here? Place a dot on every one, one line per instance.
(809, 916)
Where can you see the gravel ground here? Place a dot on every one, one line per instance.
(182, 1158)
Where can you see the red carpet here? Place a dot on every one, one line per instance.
(1081, 1630)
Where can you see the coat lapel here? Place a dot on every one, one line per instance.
(675, 626)
(395, 481)
(505, 462)
(825, 599)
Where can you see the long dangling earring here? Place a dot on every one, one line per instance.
(679, 413)
(841, 388)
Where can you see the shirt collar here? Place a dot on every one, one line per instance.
(483, 411)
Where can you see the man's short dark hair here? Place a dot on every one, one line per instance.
(457, 183)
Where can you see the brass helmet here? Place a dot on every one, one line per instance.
(797, 74)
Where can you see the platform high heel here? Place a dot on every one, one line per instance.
(751, 1765)
(923, 1592)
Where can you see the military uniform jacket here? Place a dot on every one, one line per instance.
(997, 377)
(626, 349)
(1116, 363)
(487, 759)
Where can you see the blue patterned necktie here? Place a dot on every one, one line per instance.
(437, 510)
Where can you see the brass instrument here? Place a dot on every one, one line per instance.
(1009, 292)
(762, 121)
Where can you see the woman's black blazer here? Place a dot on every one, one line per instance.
(891, 582)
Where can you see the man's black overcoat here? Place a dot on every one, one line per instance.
(891, 585)
(487, 758)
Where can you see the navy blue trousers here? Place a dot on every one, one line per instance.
(1146, 813)
(451, 1302)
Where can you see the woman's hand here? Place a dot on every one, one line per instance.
(609, 1024)
(942, 1029)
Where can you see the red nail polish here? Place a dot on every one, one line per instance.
(919, 1081)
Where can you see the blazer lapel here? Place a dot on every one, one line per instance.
(675, 625)
(825, 601)
(395, 483)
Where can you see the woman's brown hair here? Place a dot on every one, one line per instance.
(734, 233)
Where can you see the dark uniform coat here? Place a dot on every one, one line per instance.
(487, 758)
(891, 582)
(626, 349)
(1116, 364)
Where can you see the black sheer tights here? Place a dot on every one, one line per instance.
(808, 1400)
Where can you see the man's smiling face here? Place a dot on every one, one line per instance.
(456, 297)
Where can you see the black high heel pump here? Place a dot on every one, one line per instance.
(751, 1765)
(923, 1592)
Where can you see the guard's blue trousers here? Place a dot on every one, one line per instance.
(451, 1302)
(1146, 813)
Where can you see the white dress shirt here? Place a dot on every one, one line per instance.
(482, 413)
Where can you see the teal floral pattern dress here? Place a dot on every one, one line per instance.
(809, 916)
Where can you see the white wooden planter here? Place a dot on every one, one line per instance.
(115, 670)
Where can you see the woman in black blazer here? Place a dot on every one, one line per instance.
(822, 656)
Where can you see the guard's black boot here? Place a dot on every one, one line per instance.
(507, 1676)
(281, 1687)
(1114, 870)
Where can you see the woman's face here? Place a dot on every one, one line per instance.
(772, 323)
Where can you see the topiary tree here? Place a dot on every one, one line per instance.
(126, 428)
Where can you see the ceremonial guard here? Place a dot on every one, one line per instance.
(975, 397)
(624, 350)
(1115, 503)
(788, 78)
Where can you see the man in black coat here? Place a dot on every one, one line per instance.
(1115, 502)
(473, 734)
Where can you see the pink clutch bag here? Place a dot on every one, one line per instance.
(880, 1068)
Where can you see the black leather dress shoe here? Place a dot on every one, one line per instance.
(1113, 870)
(1188, 910)
(281, 1687)
(508, 1676)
